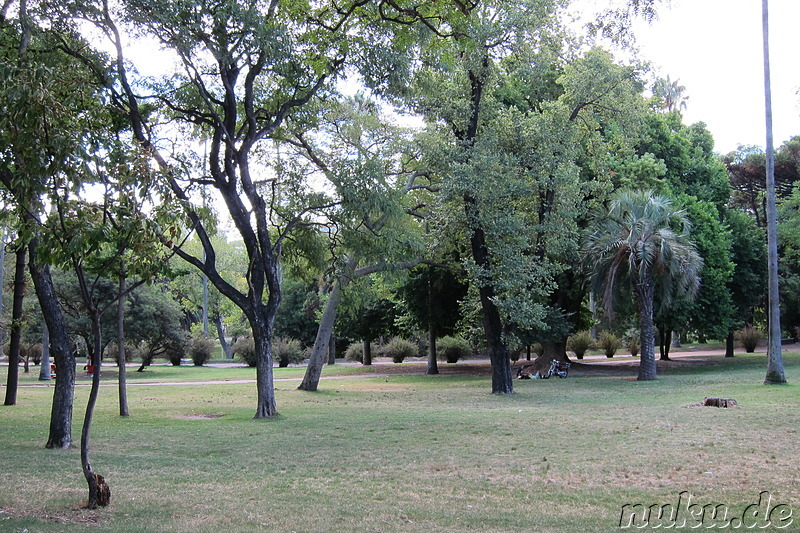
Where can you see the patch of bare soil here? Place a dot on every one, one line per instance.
(202, 416)
(78, 515)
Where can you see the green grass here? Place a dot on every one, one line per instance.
(408, 453)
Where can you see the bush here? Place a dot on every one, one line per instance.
(451, 349)
(244, 349)
(131, 352)
(287, 351)
(609, 343)
(398, 349)
(200, 350)
(354, 352)
(633, 346)
(580, 343)
(749, 337)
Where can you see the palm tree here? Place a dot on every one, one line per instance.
(671, 93)
(775, 372)
(644, 239)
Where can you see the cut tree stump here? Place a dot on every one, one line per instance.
(719, 402)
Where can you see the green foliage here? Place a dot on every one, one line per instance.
(580, 343)
(398, 349)
(354, 352)
(452, 349)
(287, 351)
(633, 345)
(244, 349)
(749, 337)
(200, 350)
(609, 343)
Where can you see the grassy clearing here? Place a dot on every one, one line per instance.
(405, 452)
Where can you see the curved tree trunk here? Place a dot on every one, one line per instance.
(60, 435)
(645, 291)
(226, 347)
(16, 328)
(98, 491)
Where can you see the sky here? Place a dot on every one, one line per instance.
(714, 47)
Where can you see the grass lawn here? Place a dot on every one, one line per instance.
(405, 452)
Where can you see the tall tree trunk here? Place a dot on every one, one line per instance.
(332, 349)
(556, 349)
(226, 347)
(729, 344)
(16, 328)
(121, 361)
(44, 369)
(60, 435)
(324, 332)
(433, 364)
(666, 343)
(644, 291)
(775, 371)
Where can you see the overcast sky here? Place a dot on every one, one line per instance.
(715, 48)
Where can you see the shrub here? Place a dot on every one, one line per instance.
(354, 353)
(749, 337)
(131, 352)
(244, 349)
(609, 343)
(398, 349)
(580, 343)
(287, 351)
(200, 350)
(451, 349)
(632, 345)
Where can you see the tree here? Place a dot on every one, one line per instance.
(671, 94)
(775, 372)
(643, 239)
(16, 327)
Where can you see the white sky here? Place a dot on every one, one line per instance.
(714, 47)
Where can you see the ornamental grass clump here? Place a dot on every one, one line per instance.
(287, 351)
(244, 349)
(749, 337)
(580, 343)
(200, 349)
(609, 343)
(633, 345)
(399, 349)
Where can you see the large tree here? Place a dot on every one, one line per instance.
(642, 239)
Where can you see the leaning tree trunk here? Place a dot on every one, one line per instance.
(121, 362)
(324, 334)
(645, 291)
(226, 347)
(16, 328)
(60, 435)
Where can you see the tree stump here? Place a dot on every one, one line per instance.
(103, 491)
(719, 402)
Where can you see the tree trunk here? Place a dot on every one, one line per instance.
(61, 413)
(16, 328)
(644, 298)
(324, 332)
(502, 379)
(121, 361)
(44, 369)
(94, 481)
(775, 371)
(332, 349)
(433, 365)
(226, 347)
(266, 405)
(555, 350)
(729, 344)
(367, 352)
(666, 343)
